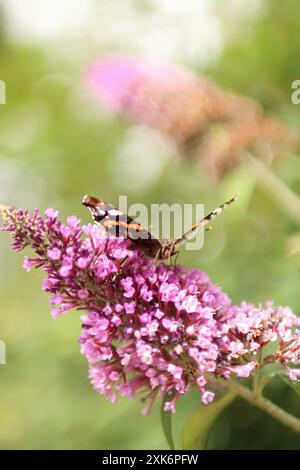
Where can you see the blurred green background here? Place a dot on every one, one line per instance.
(56, 145)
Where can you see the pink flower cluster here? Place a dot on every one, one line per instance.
(149, 329)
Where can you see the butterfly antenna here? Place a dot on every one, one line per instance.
(208, 218)
(213, 214)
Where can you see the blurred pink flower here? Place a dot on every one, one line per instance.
(161, 95)
(183, 107)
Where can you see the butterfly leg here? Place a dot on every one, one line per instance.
(121, 267)
(176, 257)
(123, 263)
(156, 256)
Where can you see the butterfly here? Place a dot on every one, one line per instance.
(122, 225)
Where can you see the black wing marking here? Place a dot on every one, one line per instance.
(119, 224)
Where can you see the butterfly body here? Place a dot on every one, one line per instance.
(119, 224)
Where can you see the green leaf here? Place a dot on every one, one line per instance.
(197, 427)
(166, 420)
(271, 370)
(295, 385)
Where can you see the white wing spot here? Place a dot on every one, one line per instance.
(114, 212)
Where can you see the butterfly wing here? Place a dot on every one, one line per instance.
(121, 225)
(201, 223)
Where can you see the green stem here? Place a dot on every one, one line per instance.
(166, 420)
(256, 384)
(258, 400)
(285, 197)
